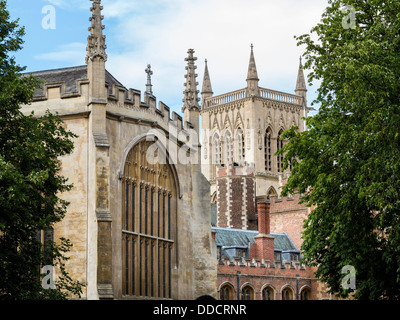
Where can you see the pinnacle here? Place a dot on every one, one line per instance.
(301, 82)
(207, 88)
(190, 94)
(252, 72)
(96, 46)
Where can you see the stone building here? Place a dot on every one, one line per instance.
(139, 219)
(257, 232)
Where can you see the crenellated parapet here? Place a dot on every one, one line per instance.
(240, 263)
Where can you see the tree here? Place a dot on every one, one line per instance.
(30, 181)
(347, 162)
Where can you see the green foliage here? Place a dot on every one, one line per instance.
(30, 181)
(347, 163)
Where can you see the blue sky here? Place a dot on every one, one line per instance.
(160, 32)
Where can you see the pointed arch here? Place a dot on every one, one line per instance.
(239, 121)
(268, 149)
(271, 192)
(279, 146)
(227, 122)
(149, 222)
(247, 291)
(240, 144)
(268, 292)
(228, 147)
(287, 292)
(226, 291)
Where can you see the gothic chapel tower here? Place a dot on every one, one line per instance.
(242, 128)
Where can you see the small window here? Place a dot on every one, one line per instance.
(241, 253)
(247, 293)
(268, 293)
(294, 257)
(226, 292)
(305, 294)
(287, 294)
(278, 256)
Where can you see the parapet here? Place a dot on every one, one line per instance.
(67, 83)
(261, 263)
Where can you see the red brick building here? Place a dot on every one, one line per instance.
(258, 249)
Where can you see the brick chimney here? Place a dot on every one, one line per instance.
(264, 242)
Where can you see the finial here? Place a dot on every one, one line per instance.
(96, 46)
(301, 65)
(149, 74)
(251, 46)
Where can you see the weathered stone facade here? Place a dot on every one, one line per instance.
(245, 125)
(110, 120)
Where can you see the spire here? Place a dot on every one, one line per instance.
(191, 100)
(149, 74)
(252, 73)
(96, 46)
(301, 88)
(301, 82)
(207, 89)
(252, 77)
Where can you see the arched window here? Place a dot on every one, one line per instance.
(287, 293)
(268, 293)
(226, 292)
(279, 146)
(148, 225)
(217, 150)
(271, 192)
(229, 147)
(305, 294)
(268, 150)
(240, 145)
(247, 293)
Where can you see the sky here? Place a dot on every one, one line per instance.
(160, 32)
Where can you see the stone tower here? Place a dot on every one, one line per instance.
(245, 126)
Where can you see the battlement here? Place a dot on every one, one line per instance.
(72, 83)
(241, 263)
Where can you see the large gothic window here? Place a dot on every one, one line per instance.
(229, 147)
(268, 150)
(279, 146)
(240, 145)
(148, 225)
(217, 150)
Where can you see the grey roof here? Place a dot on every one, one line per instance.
(70, 76)
(228, 237)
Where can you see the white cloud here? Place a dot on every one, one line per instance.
(71, 53)
(69, 4)
(160, 32)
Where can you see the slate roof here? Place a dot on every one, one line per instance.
(70, 76)
(227, 237)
